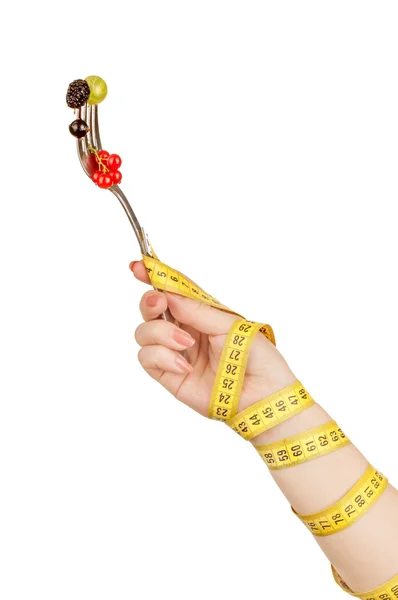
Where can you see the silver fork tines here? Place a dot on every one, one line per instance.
(89, 114)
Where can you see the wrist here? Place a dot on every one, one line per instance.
(308, 419)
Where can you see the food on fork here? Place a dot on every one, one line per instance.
(98, 89)
(78, 128)
(78, 93)
(108, 173)
(104, 167)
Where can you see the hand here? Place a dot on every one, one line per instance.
(201, 337)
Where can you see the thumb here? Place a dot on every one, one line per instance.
(200, 316)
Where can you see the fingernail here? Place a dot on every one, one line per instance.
(182, 337)
(131, 265)
(152, 301)
(183, 365)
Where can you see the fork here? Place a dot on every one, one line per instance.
(89, 114)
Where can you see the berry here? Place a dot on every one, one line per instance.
(103, 154)
(95, 176)
(78, 93)
(114, 162)
(104, 181)
(116, 176)
(98, 89)
(78, 128)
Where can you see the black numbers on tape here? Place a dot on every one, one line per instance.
(303, 393)
(395, 590)
(173, 278)
(334, 436)
(280, 405)
(238, 340)
(297, 450)
(224, 398)
(325, 525)
(268, 412)
(231, 369)
(235, 354)
(350, 510)
(269, 458)
(375, 483)
(162, 274)
(369, 493)
(323, 440)
(242, 426)
(313, 526)
(342, 435)
(283, 455)
(293, 400)
(310, 446)
(255, 420)
(244, 327)
(222, 412)
(337, 518)
(360, 501)
(228, 384)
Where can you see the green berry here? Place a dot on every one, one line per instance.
(98, 89)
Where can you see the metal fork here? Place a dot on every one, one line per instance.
(89, 114)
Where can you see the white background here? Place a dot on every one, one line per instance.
(260, 149)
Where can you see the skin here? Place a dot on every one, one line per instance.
(365, 554)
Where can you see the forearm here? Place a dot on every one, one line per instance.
(364, 554)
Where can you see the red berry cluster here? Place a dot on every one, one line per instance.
(108, 173)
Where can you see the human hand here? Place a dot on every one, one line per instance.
(201, 336)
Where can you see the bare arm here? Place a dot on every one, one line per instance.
(365, 554)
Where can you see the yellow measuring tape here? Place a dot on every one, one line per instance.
(228, 384)
(267, 413)
(224, 401)
(388, 591)
(167, 279)
(271, 411)
(350, 508)
(303, 447)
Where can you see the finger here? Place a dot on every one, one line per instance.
(198, 315)
(152, 305)
(202, 317)
(163, 333)
(160, 359)
(139, 270)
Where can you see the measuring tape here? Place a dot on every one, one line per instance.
(267, 413)
(271, 411)
(303, 447)
(224, 401)
(228, 384)
(167, 279)
(350, 508)
(388, 591)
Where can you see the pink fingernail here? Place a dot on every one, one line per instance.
(152, 301)
(183, 365)
(182, 337)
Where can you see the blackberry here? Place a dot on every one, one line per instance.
(78, 93)
(78, 128)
